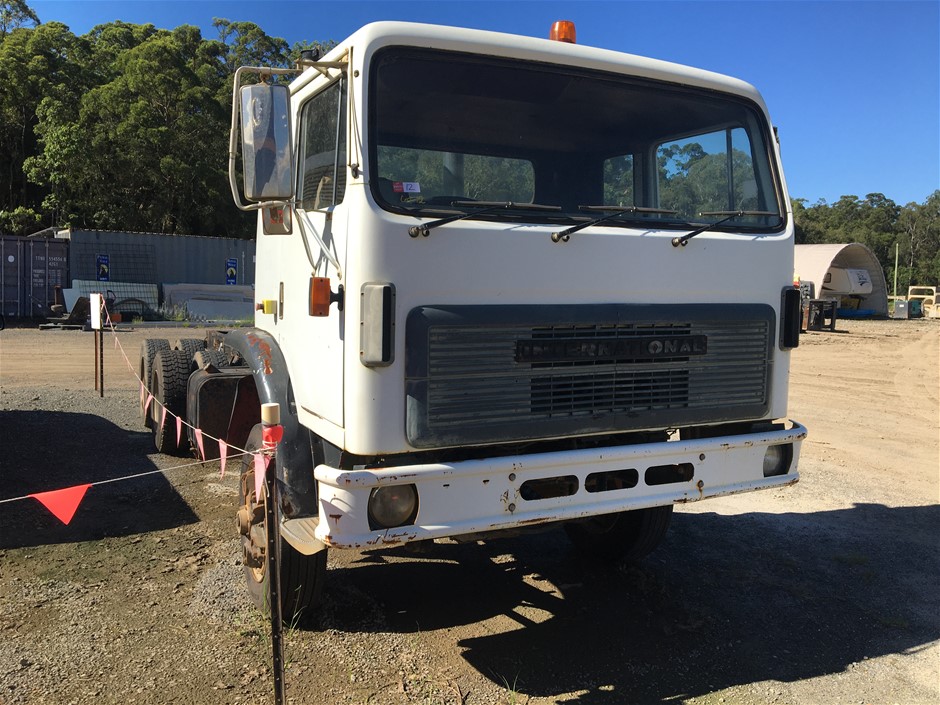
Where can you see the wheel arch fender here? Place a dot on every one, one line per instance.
(262, 354)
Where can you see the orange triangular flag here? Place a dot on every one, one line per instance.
(223, 451)
(202, 450)
(260, 468)
(63, 503)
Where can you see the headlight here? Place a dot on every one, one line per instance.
(777, 460)
(394, 505)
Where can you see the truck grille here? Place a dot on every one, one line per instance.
(491, 374)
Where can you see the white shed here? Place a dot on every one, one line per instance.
(849, 272)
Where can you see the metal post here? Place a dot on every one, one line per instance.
(271, 435)
(100, 335)
(96, 360)
(897, 247)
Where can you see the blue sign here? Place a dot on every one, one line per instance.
(231, 271)
(103, 267)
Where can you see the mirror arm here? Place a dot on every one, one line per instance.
(301, 216)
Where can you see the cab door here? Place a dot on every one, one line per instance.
(317, 363)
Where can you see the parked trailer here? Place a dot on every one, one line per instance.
(502, 283)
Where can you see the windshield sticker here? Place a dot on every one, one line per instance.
(406, 187)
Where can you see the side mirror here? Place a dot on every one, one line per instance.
(267, 158)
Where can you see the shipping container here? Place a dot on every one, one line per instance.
(11, 276)
(46, 267)
(31, 270)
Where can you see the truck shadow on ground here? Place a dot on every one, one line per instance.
(51, 450)
(726, 601)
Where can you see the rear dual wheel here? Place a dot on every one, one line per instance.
(190, 345)
(148, 351)
(207, 357)
(168, 386)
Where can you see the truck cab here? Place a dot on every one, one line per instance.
(507, 282)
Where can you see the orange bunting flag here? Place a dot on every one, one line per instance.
(202, 451)
(162, 418)
(147, 405)
(260, 469)
(223, 451)
(179, 431)
(62, 503)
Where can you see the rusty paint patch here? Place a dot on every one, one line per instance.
(336, 517)
(399, 539)
(264, 351)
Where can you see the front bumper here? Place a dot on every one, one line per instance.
(478, 496)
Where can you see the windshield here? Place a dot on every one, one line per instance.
(448, 127)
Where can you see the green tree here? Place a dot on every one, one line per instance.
(41, 70)
(246, 44)
(15, 13)
(920, 225)
(879, 223)
(19, 221)
(143, 147)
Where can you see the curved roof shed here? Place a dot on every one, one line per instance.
(813, 262)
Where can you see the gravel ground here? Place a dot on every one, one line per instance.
(825, 592)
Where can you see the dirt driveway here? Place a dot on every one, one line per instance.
(826, 592)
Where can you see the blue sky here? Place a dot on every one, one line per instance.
(854, 87)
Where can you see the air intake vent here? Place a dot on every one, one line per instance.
(491, 374)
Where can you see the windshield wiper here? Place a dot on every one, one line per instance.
(564, 235)
(730, 215)
(484, 207)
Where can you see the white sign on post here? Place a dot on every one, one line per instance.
(95, 304)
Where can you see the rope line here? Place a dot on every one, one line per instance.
(161, 471)
(239, 452)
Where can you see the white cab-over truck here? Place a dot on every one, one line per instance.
(502, 282)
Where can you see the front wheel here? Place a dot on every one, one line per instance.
(622, 536)
(301, 576)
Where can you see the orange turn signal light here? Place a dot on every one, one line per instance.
(563, 31)
(320, 296)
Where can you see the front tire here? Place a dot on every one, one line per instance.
(301, 576)
(623, 536)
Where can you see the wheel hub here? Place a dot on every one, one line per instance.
(251, 525)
